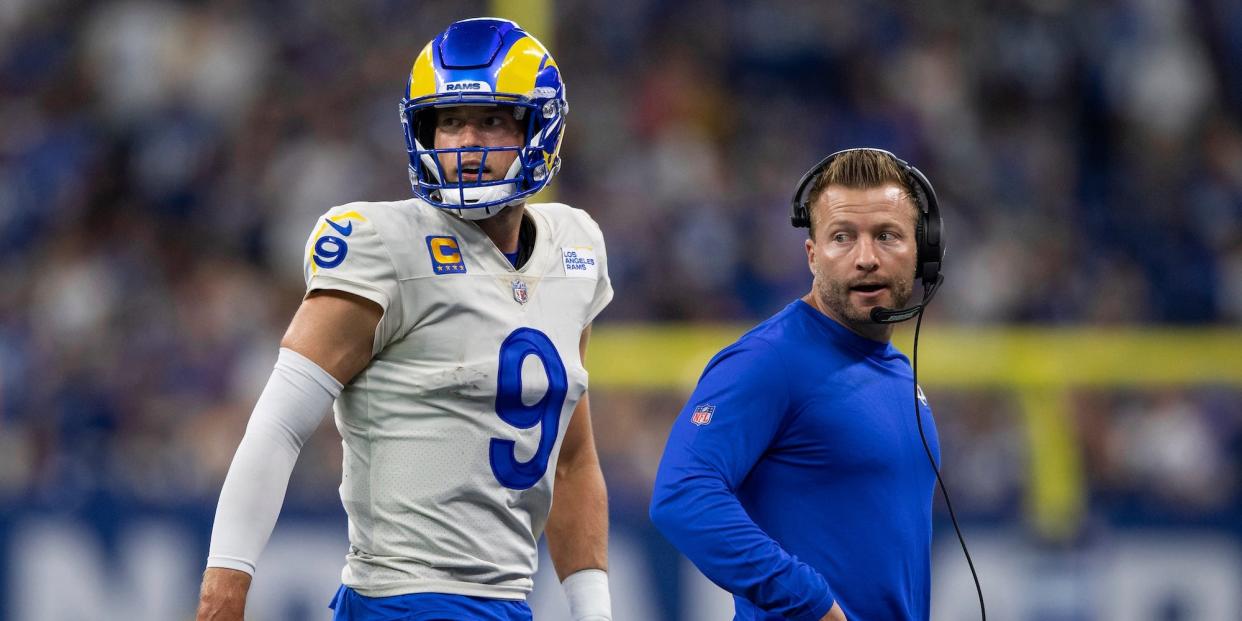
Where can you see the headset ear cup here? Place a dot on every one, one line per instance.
(933, 249)
(801, 216)
(800, 208)
(920, 241)
(798, 214)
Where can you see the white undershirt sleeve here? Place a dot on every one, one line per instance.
(293, 403)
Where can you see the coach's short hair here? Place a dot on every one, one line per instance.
(860, 169)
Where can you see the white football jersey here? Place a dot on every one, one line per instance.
(452, 433)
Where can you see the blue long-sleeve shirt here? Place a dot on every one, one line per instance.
(795, 475)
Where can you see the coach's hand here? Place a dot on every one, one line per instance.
(223, 596)
(835, 614)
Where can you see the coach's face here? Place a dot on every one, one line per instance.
(862, 254)
(477, 126)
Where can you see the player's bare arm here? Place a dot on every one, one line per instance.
(223, 594)
(578, 524)
(577, 528)
(334, 330)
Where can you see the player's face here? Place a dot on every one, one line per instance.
(864, 252)
(477, 126)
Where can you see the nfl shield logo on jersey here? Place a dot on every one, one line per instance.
(702, 414)
(519, 292)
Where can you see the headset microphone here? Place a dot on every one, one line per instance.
(880, 314)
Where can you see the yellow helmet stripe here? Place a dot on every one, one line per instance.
(423, 75)
(521, 65)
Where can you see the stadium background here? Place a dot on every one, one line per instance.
(161, 164)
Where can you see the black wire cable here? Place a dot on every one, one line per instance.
(918, 417)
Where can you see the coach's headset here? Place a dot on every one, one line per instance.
(927, 232)
(930, 244)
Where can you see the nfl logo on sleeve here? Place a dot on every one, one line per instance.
(702, 414)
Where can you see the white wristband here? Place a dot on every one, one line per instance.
(587, 592)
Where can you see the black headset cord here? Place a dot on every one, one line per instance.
(918, 417)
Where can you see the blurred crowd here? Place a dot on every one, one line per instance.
(162, 162)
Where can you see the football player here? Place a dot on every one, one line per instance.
(448, 331)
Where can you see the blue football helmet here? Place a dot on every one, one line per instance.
(487, 62)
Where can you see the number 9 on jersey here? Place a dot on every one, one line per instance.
(546, 412)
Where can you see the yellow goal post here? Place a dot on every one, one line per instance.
(1041, 366)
